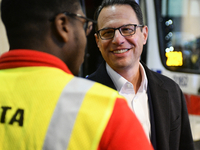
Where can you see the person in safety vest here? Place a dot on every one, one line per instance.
(42, 104)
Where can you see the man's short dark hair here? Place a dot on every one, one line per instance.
(28, 18)
(132, 3)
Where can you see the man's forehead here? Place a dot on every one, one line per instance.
(116, 15)
(116, 9)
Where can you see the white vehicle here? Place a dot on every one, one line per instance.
(173, 48)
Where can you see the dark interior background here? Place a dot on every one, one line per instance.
(92, 55)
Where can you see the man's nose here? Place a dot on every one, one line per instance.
(118, 38)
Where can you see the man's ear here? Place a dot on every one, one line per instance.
(62, 26)
(145, 34)
(97, 39)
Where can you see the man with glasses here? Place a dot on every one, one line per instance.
(42, 104)
(156, 100)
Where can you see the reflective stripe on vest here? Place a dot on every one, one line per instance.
(81, 108)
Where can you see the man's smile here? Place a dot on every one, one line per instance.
(120, 51)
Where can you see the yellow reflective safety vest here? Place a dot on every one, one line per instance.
(47, 108)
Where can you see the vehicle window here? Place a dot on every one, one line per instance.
(180, 37)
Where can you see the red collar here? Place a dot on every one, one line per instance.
(25, 58)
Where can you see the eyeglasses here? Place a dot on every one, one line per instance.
(88, 22)
(125, 30)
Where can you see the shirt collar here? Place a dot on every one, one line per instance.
(120, 81)
(144, 82)
(26, 58)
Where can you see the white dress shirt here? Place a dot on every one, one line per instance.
(138, 102)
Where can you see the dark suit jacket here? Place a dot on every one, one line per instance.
(172, 128)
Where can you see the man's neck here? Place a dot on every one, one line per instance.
(133, 75)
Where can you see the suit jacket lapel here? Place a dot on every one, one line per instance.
(152, 120)
(161, 108)
(101, 76)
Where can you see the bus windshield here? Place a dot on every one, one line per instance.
(179, 35)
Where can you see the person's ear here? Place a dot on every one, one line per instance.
(145, 34)
(97, 39)
(62, 26)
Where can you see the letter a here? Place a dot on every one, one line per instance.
(19, 112)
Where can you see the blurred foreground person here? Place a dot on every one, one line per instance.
(42, 104)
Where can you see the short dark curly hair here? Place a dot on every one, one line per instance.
(28, 18)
